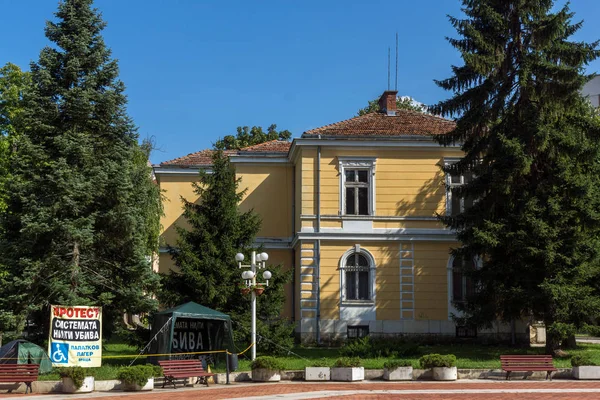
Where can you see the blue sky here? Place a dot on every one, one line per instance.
(197, 69)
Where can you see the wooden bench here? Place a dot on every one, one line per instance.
(16, 373)
(177, 369)
(527, 363)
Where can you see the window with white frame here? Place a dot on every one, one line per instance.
(357, 277)
(456, 204)
(462, 285)
(357, 186)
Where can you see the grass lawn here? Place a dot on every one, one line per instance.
(468, 356)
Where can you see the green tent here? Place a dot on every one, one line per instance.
(24, 352)
(191, 328)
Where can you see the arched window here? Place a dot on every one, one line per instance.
(357, 274)
(462, 285)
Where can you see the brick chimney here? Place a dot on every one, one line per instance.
(387, 102)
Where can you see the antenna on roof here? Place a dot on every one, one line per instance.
(388, 68)
(396, 87)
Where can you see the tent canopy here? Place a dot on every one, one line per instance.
(23, 352)
(189, 329)
(195, 310)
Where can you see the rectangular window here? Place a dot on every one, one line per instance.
(466, 332)
(357, 189)
(358, 331)
(457, 204)
(462, 285)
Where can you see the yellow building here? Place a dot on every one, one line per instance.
(351, 208)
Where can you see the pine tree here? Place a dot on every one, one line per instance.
(532, 147)
(81, 205)
(205, 257)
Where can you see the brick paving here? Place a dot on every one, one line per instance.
(491, 390)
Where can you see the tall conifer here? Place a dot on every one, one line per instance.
(533, 148)
(81, 201)
(205, 258)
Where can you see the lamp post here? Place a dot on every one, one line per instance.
(258, 261)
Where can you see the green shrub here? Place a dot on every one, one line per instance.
(437, 360)
(560, 331)
(394, 364)
(77, 375)
(347, 362)
(321, 363)
(138, 374)
(368, 347)
(581, 361)
(267, 363)
(592, 330)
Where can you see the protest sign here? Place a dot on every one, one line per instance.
(75, 336)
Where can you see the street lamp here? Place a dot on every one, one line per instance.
(258, 261)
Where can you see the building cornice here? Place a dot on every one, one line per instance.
(415, 142)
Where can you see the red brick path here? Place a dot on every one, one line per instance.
(271, 389)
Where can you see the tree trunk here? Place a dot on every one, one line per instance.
(513, 333)
(569, 343)
(75, 262)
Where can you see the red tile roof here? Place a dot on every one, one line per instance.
(405, 122)
(199, 158)
(273, 146)
(204, 157)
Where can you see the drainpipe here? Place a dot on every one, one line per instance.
(293, 250)
(318, 249)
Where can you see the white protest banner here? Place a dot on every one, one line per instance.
(75, 336)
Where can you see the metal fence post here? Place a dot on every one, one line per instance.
(227, 366)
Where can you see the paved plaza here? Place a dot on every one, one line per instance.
(464, 390)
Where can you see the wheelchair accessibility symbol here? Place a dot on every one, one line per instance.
(59, 353)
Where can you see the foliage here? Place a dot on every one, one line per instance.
(583, 360)
(267, 363)
(559, 331)
(76, 374)
(347, 362)
(592, 330)
(205, 257)
(437, 360)
(249, 137)
(395, 364)
(379, 347)
(139, 374)
(321, 363)
(402, 103)
(13, 83)
(531, 145)
(81, 221)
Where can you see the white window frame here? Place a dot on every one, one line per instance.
(450, 269)
(450, 185)
(357, 249)
(351, 163)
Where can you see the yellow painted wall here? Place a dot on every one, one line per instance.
(165, 263)
(174, 187)
(269, 192)
(307, 162)
(284, 258)
(408, 182)
(430, 278)
(431, 275)
(387, 277)
(297, 196)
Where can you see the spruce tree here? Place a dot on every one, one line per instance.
(532, 146)
(205, 251)
(81, 205)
